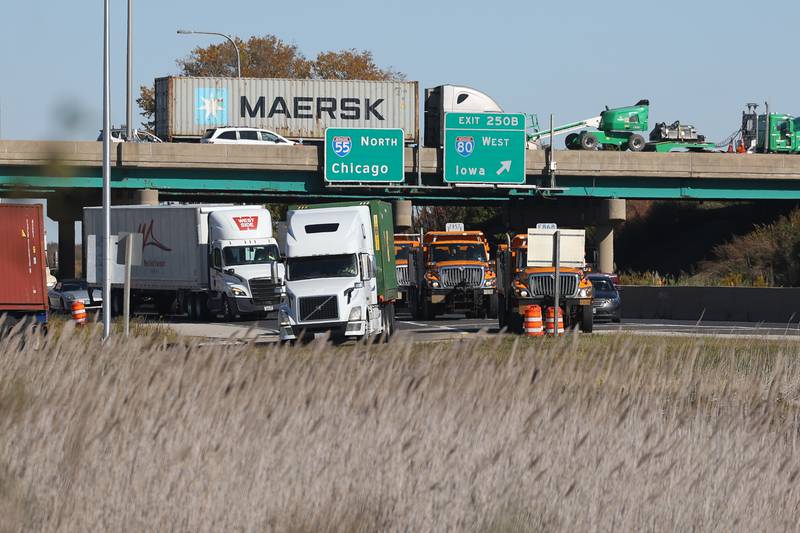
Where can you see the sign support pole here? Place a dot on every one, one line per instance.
(106, 180)
(557, 276)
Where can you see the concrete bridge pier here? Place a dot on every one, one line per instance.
(612, 212)
(66, 210)
(134, 196)
(401, 210)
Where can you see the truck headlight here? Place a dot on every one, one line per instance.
(585, 292)
(522, 293)
(435, 284)
(355, 314)
(238, 292)
(489, 282)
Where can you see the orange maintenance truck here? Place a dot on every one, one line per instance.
(456, 276)
(525, 276)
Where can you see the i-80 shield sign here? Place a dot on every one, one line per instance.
(364, 155)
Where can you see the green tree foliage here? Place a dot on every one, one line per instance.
(487, 219)
(270, 57)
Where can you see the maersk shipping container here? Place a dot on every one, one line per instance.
(174, 247)
(23, 276)
(294, 108)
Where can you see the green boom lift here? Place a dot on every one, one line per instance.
(618, 129)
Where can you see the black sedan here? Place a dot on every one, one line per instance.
(607, 303)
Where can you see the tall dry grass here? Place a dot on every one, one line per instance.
(582, 434)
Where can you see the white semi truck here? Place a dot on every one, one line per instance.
(340, 270)
(203, 260)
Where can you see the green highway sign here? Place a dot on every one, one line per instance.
(484, 148)
(364, 155)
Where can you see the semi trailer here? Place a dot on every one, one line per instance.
(301, 110)
(406, 245)
(23, 269)
(202, 260)
(526, 276)
(340, 271)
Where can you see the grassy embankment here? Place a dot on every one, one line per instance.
(586, 433)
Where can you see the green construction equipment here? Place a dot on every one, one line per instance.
(618, 129)
(769, 132)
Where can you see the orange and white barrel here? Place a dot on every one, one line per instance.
(549, 321)
(533, 321)
(79, 312)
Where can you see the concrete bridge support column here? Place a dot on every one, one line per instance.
(134, 196)
(66, 209)
(402, 215)
(66, 248)
(612, 212)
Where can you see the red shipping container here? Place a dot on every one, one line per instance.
(23, 275)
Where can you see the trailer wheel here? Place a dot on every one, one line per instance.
(636, 143)
(388, 322)
(587, 319)
(572, 141)
(588, 141)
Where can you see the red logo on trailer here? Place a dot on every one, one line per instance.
(246, 223)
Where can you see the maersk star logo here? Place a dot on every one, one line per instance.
(211, 106)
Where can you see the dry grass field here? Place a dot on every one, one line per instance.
(580, 434)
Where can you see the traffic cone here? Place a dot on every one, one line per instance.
(79, 313)
(549, 322)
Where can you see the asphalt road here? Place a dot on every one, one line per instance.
(455, 326)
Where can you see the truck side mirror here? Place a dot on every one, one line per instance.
(366, 267)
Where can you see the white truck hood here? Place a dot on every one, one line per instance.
(321, 287)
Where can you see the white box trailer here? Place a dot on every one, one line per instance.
(204, 259)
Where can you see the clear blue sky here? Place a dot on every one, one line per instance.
(696, 61)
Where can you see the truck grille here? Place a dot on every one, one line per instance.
(319, 308)
(469, 277)
(402, 276)
(263, 290)
(543, 285)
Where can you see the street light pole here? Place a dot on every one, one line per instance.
(235, 46)
(106, 180)
(129, 112)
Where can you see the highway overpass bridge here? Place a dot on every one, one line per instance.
(591, 186)
(183, 171)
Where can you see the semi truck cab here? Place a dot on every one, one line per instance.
(340, 270)
(245, 269)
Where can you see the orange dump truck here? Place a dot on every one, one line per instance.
(405, 246)
(526, 277)
(456, 276)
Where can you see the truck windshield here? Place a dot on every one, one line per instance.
(322, 266)
(250, 255)
(458, 252)
(401, 251)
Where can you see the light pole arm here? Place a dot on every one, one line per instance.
(235, 46)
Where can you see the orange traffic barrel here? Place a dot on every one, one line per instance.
(79, 312)
(549, 321)
(533, 321)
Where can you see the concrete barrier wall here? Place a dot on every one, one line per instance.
(737, 304)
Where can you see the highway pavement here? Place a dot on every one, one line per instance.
(452, 327)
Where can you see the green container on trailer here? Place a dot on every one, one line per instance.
(382, 227)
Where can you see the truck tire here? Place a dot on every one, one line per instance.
(428, 310)
(587, 319)
(636, 143)
(492, 308)
(388, 322)
(588, 141)
(502, 316)
(228, 314)
(572, 141)
(116, 302)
